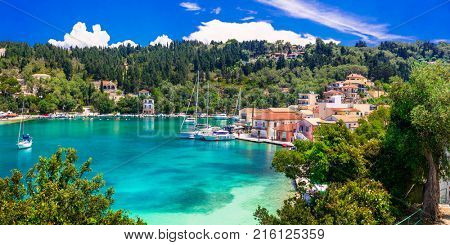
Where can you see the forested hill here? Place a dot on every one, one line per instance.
(169, 71)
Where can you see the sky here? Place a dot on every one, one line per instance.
(113, 23)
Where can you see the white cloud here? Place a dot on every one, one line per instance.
(217, 30)
(163, 40)
(249, 11)
(216, 10)
(333, 18)
(189, 6)
(248, 18)
(81, 37)
(124, 43)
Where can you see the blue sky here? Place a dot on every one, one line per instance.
(143, 21)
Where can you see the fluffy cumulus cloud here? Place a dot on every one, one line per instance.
(217, 30)
(124, 43)
(81, 37)
(163, 40)
(189, 6)
(333, 18)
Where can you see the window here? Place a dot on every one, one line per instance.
(307, 129)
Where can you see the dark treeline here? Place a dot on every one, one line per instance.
(169, 72)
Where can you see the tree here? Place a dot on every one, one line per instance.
(359, 202)
(57, 192)
(420, 111)
(102, 103)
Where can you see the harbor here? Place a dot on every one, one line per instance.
(161, 178)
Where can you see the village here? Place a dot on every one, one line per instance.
(342, 100)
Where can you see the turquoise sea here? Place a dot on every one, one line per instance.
(162, 179)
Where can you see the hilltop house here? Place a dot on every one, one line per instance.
(350, 89)
(41, 76)
(351, 121)
(307, 101)
(144, 93)
(265, 124)
(2, 52)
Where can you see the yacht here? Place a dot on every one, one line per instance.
(221, 116)
(190, 121)
(24, 141)
(220, 135)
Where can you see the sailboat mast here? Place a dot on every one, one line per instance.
(20, 124)
(196, 96)
(207, 107)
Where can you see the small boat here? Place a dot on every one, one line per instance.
(24, 142)
(187, 135)
(221, 116)
(220, 135)
(190, 121)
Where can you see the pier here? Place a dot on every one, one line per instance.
(247, 137)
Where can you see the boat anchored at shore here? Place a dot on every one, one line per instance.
(219, 135)
(24, 141)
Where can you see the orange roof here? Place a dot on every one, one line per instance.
(268, 115)
(350, 86)
(287, 127)
(332, 92)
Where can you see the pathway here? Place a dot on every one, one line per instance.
(445, 212)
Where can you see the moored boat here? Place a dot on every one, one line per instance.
(221, 116)
(220, 135)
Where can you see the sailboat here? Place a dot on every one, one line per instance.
(238, 107)
(190, 134)
(206, 129)
(24, 141)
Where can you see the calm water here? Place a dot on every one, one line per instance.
(162, 179)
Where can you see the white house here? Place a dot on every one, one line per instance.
(148, 106)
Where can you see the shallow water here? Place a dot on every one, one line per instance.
(162, 179)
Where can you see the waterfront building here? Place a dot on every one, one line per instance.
(264, 124)
(148, 106)
(286, 132)
(247, 114)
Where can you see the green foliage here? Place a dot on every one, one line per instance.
(360, 202)
(172, 70)
(56, 192)
(102, 103)
(129, 105)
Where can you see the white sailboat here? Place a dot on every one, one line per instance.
(238, 107)
(24, 141)
(192, 121)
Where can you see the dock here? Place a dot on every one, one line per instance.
(246, 137)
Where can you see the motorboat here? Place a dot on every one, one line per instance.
(221, 116)
(220, 135)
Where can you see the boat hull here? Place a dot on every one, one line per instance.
(218, 137)
(187, 135)
(24, 145)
